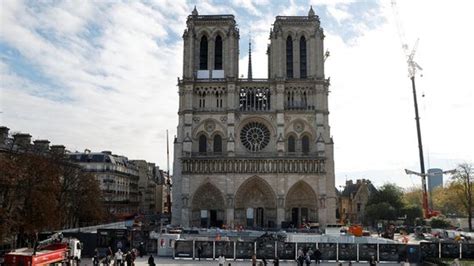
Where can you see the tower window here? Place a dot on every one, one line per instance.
(303, 72)
(291, 144)
(203, 53)
(218, 53)
(202, 144)
(289, 57)
(217, 143)
(305, 144)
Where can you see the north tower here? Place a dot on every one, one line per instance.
(253, 152)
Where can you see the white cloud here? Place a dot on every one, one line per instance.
(117, 89)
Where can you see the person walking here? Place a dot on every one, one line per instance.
(199, 251)
(118, 257)
(95, 259)
(151, 260)
(317, 255)
(276, 262)
(307, 259)
(221, 260)
(254, 260)
(372, 261)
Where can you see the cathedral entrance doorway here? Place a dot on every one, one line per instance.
(255, 204)
(301, 204)
(207, 208)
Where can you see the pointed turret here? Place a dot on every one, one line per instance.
(195, 12)
(311, 12)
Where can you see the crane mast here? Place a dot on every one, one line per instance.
(412, 69)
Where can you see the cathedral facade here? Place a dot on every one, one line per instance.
(255, 153)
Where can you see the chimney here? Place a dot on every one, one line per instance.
(22, 140)
(41, 145)
(58, 149)
(3, 135)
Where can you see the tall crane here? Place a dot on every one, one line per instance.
(412, 69)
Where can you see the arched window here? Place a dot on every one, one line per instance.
(203, 53)
(289, 57)
(217, 143)
(202, 144)
(305, 144)
(291, 144)
(303, 72)
(218, 53)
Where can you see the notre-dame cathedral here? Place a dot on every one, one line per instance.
(255, 153)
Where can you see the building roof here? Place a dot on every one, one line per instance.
(352, 188)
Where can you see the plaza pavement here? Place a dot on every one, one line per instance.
(169, 261)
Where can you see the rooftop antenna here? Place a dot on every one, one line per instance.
(249, 74)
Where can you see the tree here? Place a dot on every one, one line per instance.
(412, 196)
(385, 204)
(411, 213)
(44, 192)
(446, 200)
(463, 177)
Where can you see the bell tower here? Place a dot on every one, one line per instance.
(211, 47)
(296, 48)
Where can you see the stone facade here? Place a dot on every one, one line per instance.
(253, 152)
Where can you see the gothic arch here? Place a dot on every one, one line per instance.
(307, 128)
(255, 194)
(301, 203)
(208, 199)
(201, 128)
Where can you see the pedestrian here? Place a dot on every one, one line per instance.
(300, 260)
(109, 254)
(254, 260)
(276, 262)
(307, 259)
(317, 256)
(95, 259)
(221, 260)
(199, 251)
(372, 261)
(151, 260)
(118, 257)
(128, 258)
(264, 261)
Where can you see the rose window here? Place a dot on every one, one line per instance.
(255, 136)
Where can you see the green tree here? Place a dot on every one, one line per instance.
(384, 204)
(411, 212)
(464, 178)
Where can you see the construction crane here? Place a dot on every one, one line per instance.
(412, 69)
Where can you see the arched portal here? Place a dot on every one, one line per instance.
(207, 207)
(255, 204)
(301, 204)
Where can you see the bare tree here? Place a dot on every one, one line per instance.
(463, 177)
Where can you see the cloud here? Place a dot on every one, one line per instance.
(102, 75)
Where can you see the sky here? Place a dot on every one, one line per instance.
(102, 75)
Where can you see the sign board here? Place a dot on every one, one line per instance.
(348, 252)
(366, 251)
(286, 251)
(183, 249)
(244, 250)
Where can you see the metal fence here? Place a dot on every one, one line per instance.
(194, 249)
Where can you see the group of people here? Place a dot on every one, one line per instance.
(119, 258)
(308, 256)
